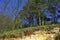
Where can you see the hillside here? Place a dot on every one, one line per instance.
(34, 33)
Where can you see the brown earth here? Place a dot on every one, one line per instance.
(39, 33)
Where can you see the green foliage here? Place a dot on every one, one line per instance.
(34, 7)
(6, 23)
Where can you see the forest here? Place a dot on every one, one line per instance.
(34, 13)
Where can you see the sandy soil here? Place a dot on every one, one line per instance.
(45, 34)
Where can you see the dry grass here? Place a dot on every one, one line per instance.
(46, 30)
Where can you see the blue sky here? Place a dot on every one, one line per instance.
(9, 7)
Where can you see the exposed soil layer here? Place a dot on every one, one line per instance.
(39, 33)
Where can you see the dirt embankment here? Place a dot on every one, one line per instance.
(40, 33)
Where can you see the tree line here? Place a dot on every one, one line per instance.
(32, 14)
(37, 7)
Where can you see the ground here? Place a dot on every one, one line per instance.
(35, 33)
